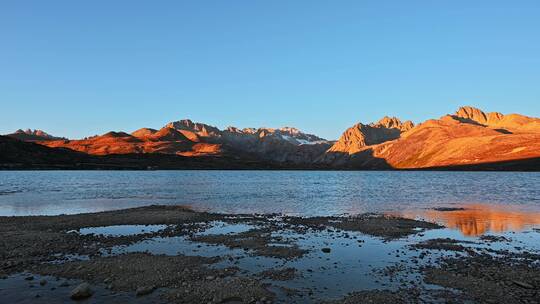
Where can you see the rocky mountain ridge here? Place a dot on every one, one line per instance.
(188, 138)
(470, 136)
(510, 123)
(467, 137)
(360, 135)
(33, 135)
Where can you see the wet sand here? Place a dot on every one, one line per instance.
(171, 254)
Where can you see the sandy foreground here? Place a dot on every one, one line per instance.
(171, 254)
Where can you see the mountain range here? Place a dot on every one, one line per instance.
(469, 138)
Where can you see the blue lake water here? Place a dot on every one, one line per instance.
(495, 203)
(305, 193)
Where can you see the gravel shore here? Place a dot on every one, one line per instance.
(54, 247)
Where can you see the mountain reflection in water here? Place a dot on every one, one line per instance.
(478, 219)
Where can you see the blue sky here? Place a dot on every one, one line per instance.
(79, 68)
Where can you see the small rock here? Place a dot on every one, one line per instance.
(82, 291)
(43, 282)
(326, 250)
(141, 291)
(523, 284)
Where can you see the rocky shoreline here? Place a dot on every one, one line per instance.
(54, 256)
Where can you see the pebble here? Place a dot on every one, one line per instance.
(144, 290)
(523, 284)
(64, 284)
(82, 291)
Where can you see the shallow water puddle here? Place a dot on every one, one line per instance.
(220, 227)
(176, 245)
(349, 265)
(350, 261)
(122, 230)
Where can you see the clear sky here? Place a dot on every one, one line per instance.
(79, 68)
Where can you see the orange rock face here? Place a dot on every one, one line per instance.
(201, 149)
(144, 133)
(514, 123)
(359, 136)
(166, 140)
(468, 137)
(448, 142)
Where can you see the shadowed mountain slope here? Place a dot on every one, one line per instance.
(17, 155)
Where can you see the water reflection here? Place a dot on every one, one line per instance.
(478, 219)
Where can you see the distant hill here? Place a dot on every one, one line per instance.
(15, 153)
(20, 155)
(32, 135)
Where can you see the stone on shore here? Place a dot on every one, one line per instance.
(82, 291)
(144, 290)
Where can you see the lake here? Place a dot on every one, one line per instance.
(484, 213)
(510, 197)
